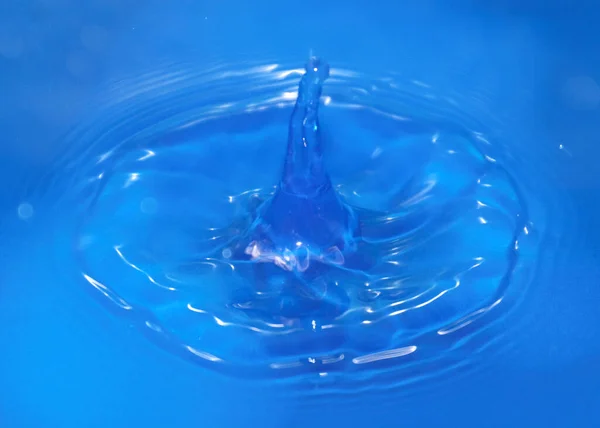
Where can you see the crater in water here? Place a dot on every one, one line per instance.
(182, 166)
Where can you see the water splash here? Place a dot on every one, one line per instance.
(305, 226)
(392, 266)
(304, 174)
(305, 219)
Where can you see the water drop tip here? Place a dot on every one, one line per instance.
(317, 66)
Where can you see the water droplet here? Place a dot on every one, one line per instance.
(562, 148)
(376, 153)
(226, 253)
(25, 211)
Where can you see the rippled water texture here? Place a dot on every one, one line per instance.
(178, 166)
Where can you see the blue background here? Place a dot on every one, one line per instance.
(66, 362)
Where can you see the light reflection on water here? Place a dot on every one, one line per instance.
(173, 166)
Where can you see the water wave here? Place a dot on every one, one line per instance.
(176, 164)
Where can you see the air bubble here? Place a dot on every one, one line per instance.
(25, 211)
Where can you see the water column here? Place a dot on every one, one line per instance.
(306, 219)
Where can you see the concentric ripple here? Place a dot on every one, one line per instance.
(175, 173)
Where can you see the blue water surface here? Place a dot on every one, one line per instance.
(139, 141)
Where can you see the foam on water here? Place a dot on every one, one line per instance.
(429, 247)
